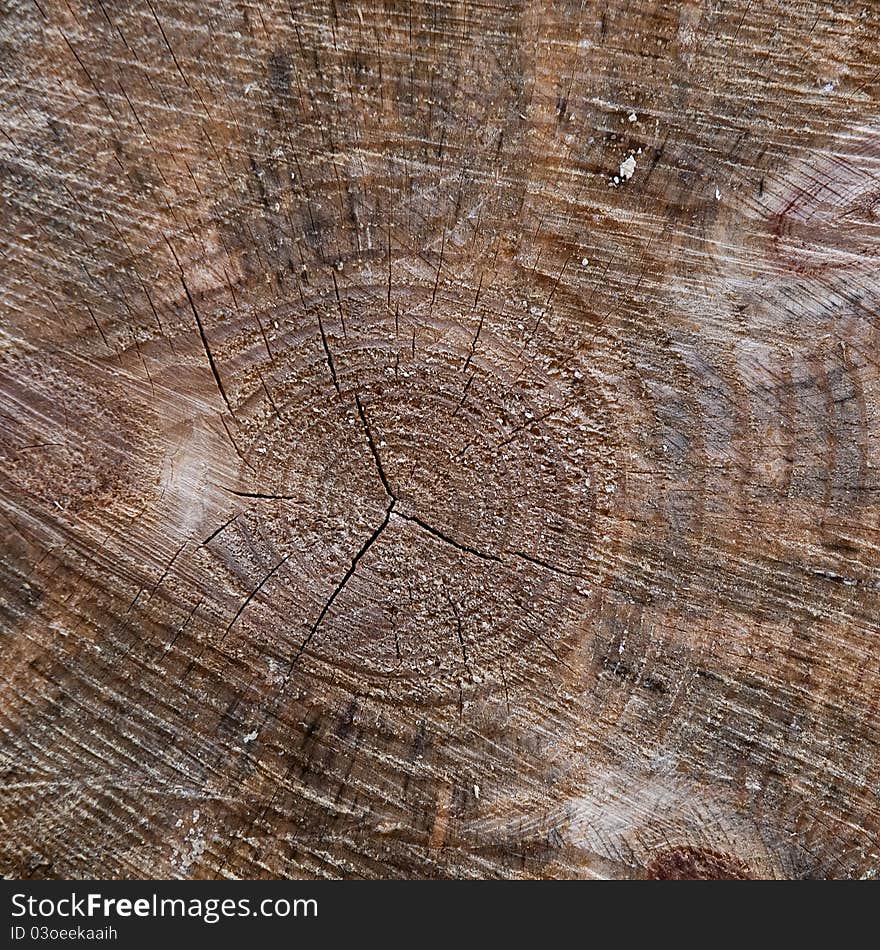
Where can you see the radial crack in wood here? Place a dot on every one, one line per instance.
(440, 439)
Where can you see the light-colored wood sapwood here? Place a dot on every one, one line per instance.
(439, 439)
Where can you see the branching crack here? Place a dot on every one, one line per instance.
(338, 589)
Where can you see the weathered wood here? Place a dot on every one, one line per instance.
(398, 480)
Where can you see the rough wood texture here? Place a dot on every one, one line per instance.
(387, 490)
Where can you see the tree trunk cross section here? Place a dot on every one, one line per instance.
(439, 439)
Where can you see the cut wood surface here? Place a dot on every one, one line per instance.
(439, 439)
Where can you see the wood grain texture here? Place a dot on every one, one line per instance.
(393, 487)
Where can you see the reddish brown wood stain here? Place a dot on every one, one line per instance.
(386, 492)
(689, 864)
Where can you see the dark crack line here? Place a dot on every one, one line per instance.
(275, 408)
(222, 527)
(170, 645)
(168, 45)
(529, 422)
(328, 354)
(445, 537)
(165, 573)
(553, 652)
(339, 306)
(327, 605)
(234, 444)
(373, 449)
(474, 342)
(206, 345)
(371, 540)
(253, 594)
(464, 395)
(548, 566)
(257, 494)
(463, 451)
(202, 334)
